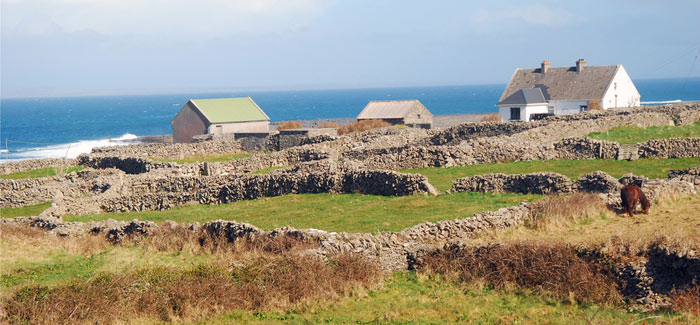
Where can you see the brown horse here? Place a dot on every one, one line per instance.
(631, 194)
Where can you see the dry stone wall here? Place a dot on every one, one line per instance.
(691, 175)
(25, 165)
(171, 151)
(670, 148)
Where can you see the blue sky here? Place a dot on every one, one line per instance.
(59, 46)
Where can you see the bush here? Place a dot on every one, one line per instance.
(328, 125)
(687, 300)
(287, 125)
(554, 270)
(361, 126)
(594, 105)
(494, 117)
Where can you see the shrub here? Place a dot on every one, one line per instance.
(361, 126)
(549, 269)
(329, 125)
(594, 105)
(494, 117)
(286, 125)
(687, 300)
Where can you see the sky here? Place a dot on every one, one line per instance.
(82, 46)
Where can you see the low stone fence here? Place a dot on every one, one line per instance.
(25, 165)
(553, 183)
(171, 151)
(691, 175)
(159, 192)
(481, 151)
(670, 148)
(466, 131)
(128, 164)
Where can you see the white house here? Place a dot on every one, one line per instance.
(567, 90)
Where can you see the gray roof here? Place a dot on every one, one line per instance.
(526, 96)
(386, 109)
(563, 83)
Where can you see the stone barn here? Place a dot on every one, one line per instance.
(218, 116)
(407, 112)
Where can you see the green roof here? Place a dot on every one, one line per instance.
(227, 110)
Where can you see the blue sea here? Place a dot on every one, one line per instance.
(68, 126)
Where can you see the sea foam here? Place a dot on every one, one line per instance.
(68, 150)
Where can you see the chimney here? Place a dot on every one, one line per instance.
(545, 66)
(580, 64)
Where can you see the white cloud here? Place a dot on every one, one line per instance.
(179, 19)
(531, 15)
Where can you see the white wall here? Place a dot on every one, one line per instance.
(242, 127)
(525, 111)
(627, 94)
(568, 107)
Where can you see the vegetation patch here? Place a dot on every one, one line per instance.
(269, 170)
(332, 212)
(361, 126)
(209, 158)
(25, 211)
(289, 125)
(635, 134)
(42, 172)
(442, 178)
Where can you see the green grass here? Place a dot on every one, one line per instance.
(420, 299)
(331, 212)
(635, 134)
(210, 158)
(41, 172)
(268, 170)
(442, 178)
(26, 211)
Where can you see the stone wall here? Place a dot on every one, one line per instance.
(691, 175)
(466, 131)
(171, 151)
(298, 137)
(537, 183)
(670, 148)
(128, 164)
(25, 165)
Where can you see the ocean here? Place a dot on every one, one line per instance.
(69, 126)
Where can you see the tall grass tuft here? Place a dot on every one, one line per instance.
(494, 117)
(328, 125)
(361, 126)
(559, 211)
(287, 125)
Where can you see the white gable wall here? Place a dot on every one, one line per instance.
(621, 92)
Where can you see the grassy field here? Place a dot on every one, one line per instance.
(634, 134)
(404, 297)
(26, 211)
(41, 172)
(331, 212)
(210, 158)
(442, 178)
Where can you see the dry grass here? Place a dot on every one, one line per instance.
(551, 269)
(687, 300)
(287, 125)
(361, 126)
(328, 125)
(495, 117)
(558, 211)
(275, 282)
(594, 105)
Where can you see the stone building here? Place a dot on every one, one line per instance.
(566, 90)
(408, 112)
(218, 116)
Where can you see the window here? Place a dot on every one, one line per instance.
(515, 113)
(615, 85)
(419, 116)
(583, 108)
